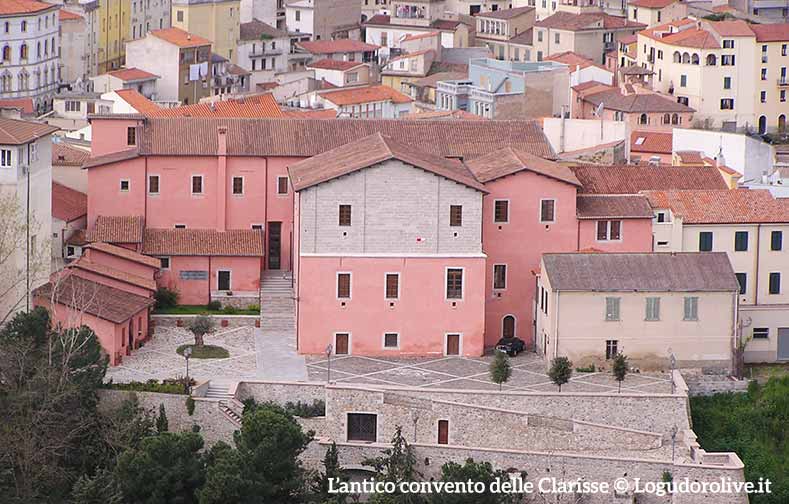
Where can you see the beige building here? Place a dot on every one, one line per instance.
(749, 226)
(507, 33)
(79, 50)
(215, 20)
(654, 12)
(589, 307)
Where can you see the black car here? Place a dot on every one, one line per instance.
(512, 346)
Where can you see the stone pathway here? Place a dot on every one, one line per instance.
(277, 358)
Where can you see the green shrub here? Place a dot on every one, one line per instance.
(588, 369)
(666, 477)
(230, 310)
(152, 385)
(254, 307)
(213, 306)
(298, 409)
(166, 298)
(190, 405)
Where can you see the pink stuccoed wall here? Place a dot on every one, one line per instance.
(118, 284)
(245, 276)
(422, 315)
(636, 236)
(520, 244)
(104, 192)
(109, 135)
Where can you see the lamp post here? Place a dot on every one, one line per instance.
(415, 419)
(328, 369)
(673, 361)
(673, 441)
(187, 354)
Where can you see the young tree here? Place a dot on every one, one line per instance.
(500, 368)
(396, 464)
(561, 371)
(200, 326)
(162, 425)
(321, 480)
(473, 471)
(100, 489)
(619, 369)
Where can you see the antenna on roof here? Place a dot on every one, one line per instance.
(598, 112)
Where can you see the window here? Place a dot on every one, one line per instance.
(741, 241)
(652, 309)
(761, 332)
(776, 240)
(153, 184)
(742, 279)
(344, 285)
(764, 74)
(125, 185)
(223, 280)
(661, 217)
(728, 44)
(298, 15)
(164, 263)
(282, 185)
(131, 135)
(783, 49)
(362, 426)
(705, 241)
(612, 308)
(501, 211)
(683, 81)
(238, 185)
(775, 283)
(499, 276)
(609, 230)
(727, 83)
(179, 16)
(691, 311)
(611, 349)
(547, 207)
(345, 215)
(727, 60)
(392, 290)
(197, 184)
(180, 226)
(556, 38)
(454, 283)
(455, 215)
(763, 96)
(783, 95)
(73, 106)
(24, 26)
(391, 340)
(5, 157)
(539, 36)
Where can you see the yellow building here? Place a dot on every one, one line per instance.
(114, 21)
(216, 20)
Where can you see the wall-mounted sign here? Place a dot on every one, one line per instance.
(194, 275)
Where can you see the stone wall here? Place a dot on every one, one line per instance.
(704, 385)
(232, 320)
(280, 392)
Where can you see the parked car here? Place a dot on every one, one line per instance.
(512, 346)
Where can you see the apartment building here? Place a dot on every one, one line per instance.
(114, 31)
(79, 47)
(583, 69)
(263, 50)
(215, 20)
(768, 9)
(731, 72)
(341, 73)
(655, 12)
(401, 70)
(126, 78)
(30, 52)
(324, 20)
(181, 60)
(507, 33)
(359, 102)
(749, 226)
(389, 31)
(271, 12)
(147, 15)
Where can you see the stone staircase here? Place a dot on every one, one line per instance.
(276, 340)
(218, 390)
(277, 304)
(233, 410)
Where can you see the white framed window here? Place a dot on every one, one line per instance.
(282, 185)
(609, 230)
(5, 158)
(391, 341)
(197, 184)
(343, 285)
(164, 263)
(547, 211)
(499, 276)
(612, 308)
(124, 185)
(691, 308)
(501, 211)
(392, 286)
(454, 283)
(652, 309)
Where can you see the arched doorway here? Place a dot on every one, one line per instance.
(508, 327)
(762, 125)
(782, 124)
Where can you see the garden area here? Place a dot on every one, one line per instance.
(755, 425)
(167, 304)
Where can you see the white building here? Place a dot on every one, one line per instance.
(271, 12)
(25, 177)
(30, 52)
(79, 41)
(324, 20)
(127, 78)
(149, 15)
(263, 50)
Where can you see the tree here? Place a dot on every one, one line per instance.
(397, 464)
(200, 326)
(473, 471)
(619, 369)
(264, 466)
(161, 421)
(500, 368)
(100, 489)
(166, 468)
(561, 371)
(331, 470)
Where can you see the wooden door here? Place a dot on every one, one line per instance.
(453, 344)
(508, 327)
(274, 245)
(443, 432)
(341, 344)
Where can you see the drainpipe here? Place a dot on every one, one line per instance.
(221, 176)
(756, 286)
(265, 213)
(27, 231)
(556, 332)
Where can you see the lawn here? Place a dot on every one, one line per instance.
(755, 425)
(764, 372)
(204, 310)
(205, 351)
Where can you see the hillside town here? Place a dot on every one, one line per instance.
(330, 251)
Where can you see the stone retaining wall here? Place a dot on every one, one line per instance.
(232, 320)
(280, 392)
(704, 385)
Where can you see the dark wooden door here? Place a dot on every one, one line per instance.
(223, 280)
(453, 344)
(443, 432)
(341, 344)
(131, 337)
(274, 245)
(508, 327)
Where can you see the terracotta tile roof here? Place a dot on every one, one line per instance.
(732, 28)
(713, 162)
(613, 99)
(311, 114)
(650, 4)
(777, 32)
(689, 37)
(573, 60)
(112, 157)
(526, 37)
(365, 94)
(690, 157)
(372, 150)
(632, 179)
(25, 105)
(16, 132)
(65, 15)
(258, 30)
(640, 272)
(444, 114)
(203, 242)
(179, 37)
(117, 229)
(336, 46)
(378, 19)
(629, 39)
(132, 74)
(330, 64)
(588, 21)
(412, 54)
(106, 271)
(446, 24)
(735, 206)
(613, 206)
(125, 253)
(635, 70)
(508, 161)
(585, 87)
(138, 102)
(64, 154)
(102, 301)
(651, 142)
(505, 13)
(263, 105)
(308, 137)
(411, 36)
(68, 204)
(9, 7)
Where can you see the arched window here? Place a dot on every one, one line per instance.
(685, 58)
(666, 118)
(508, 327)
(7, 53)
(762, 125)
(642, 119)
(23, 51)
(695, 59)
(712, 60)
(675, 119)
(782, 124)
(677, 57)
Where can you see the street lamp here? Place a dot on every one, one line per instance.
(673, 440)
(673, 361)
(187, 354)
(328, 356)
(415, 419)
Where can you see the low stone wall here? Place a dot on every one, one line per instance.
(238, 299)
(704, 385)
(222, 321)
(280, 392)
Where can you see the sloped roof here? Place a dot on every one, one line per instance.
(573, 59)
(732, 28)
(25, 105)
(180, 37)
(509, 160)
(125, 253)
(690, 157)
(68, 204)
(613, 99)
(432, 79)
(138, 102)
(65, 15)
(640, 272)
(9, 7)
(777, 32)
(689, 37)
(632, 179)
(651, 4)
(258, 30)
(444, 114)
(365, 94)
(734, 206)
(83, 263)
(203, 242)
(588, 21)
(330, 64)
(263, 105)
(336, 46)
(132, 74)
(64, 154)
(612, 206)
(372, 150)
(651, 141)
(16, 132)
(505, 13)
(635, 69)
(112, 157)
(117, 229)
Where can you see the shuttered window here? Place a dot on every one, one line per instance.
(454, 283)
(455, 215)
(612, 308)
(501, 211)
(344, 285)
(691, 308)
(499, 276)
(345, 215)
(392, 286)
(547, 208)
(652, 308)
